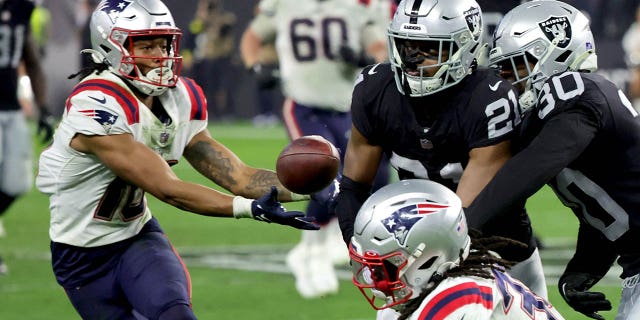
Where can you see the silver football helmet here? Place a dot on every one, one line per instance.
(546, 37)
(116, 23)
(449, 32)
(405, 233)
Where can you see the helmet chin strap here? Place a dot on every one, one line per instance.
(587, 61)
(529, 98)
(433, 83)
(161, 75)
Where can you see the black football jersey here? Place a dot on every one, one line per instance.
(14, 28)
(430, 137)
(583, 139)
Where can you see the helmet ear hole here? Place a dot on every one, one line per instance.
(473, 50)
(427, 264)
(531, 58)
(564, 56)
(105, 48)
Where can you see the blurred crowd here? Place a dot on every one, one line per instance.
(212, 30)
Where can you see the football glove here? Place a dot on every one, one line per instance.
(574, 288)
(267, 76)
(328, 195)
(45, 125)
(268, 209)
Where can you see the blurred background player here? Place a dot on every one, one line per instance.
(631, 46)
(581, 136)
(129, 118)
(321, 45)
(440, 117)
(209, 57)
(266, 74)
(411, 251)
(18, 50)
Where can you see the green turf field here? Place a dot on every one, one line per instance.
(237, 267)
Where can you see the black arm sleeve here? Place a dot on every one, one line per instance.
(594, 253)
(351, 197)
(563, 138)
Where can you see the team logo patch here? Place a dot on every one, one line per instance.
(402, 220)
(558, 29)
(474, 21)
(104, 118)
(114, 7)
(426, 144)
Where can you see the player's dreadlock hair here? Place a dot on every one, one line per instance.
(479, 263)
(93, 66)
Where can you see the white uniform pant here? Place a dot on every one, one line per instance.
(629, 308)
(16, 154)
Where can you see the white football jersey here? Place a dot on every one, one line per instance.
(90, 206)
(473, 298)
(308, 35)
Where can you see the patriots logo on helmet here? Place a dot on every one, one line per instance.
(113, 8)
(104, 118)
(474, 21)
(400, 222)
(558, 29)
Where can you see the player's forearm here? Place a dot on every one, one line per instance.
(257, 182)
(378, 51)
(196, 198)
(35, 73)
(594, 254)
(250, 46)
(347, 204)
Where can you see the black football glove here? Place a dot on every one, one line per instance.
(267, 76)
(573, 288)
(268, 209)
(45, 125)
(354, 58)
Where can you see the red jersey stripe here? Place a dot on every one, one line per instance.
(198, 100)
(125, 99)
(451, 299)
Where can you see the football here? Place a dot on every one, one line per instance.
(308, 164)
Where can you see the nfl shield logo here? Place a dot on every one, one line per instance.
(164, 137)
(557, 29)
(426, 144)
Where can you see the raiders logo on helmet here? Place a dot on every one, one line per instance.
(557, 28)
(474, 21)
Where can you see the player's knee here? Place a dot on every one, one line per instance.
(178, 312)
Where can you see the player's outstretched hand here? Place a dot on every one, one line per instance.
(268, 209)
(45, 126)
(574, 288)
